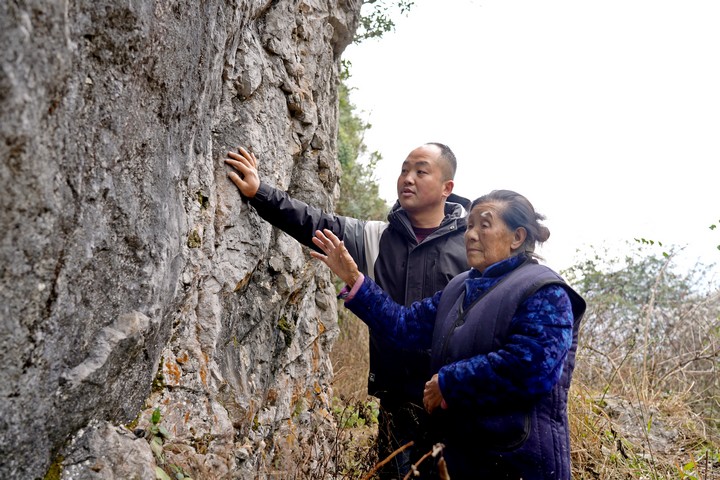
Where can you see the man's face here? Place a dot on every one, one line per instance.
(421, 185)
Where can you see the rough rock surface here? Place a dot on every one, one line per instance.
(134, 277)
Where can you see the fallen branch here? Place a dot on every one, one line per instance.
(379, 465)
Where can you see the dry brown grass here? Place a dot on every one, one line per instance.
(350, 358)
(638, 436)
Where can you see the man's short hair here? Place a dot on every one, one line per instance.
(448, 157)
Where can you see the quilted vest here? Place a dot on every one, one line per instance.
(528, 440)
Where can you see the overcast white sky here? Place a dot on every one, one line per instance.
(605, 114)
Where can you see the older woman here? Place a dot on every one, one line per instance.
(503, 337)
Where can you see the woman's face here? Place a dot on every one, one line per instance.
(488, 238)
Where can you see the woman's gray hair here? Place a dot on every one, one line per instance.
(517, 211)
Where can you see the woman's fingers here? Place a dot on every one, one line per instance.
(331, 238)
(323, 242)
(326, 240)
(321, 245)
(320, 240)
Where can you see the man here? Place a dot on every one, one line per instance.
(412, 255)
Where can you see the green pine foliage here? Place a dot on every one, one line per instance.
(359, 192)
(377, 17)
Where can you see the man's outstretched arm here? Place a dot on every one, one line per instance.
(296, 218)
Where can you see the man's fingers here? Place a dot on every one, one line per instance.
(249, 156)
(242, 157)
(240, 165)
(234, 156)
(237, 179)
(237, 161)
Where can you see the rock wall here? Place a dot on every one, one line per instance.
(134, 277)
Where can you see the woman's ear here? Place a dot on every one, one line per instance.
(519, 238)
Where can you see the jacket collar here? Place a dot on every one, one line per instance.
(502, 267)
(453, 210)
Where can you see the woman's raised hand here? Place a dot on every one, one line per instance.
(336, 256)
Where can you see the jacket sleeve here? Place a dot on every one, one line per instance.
(527, 365)
(408, 327)
(300, 221)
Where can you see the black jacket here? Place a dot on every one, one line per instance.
(389, 253)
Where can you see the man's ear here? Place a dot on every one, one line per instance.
(448, 186)
(519, 238)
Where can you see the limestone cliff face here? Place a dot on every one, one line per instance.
(133, 274)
